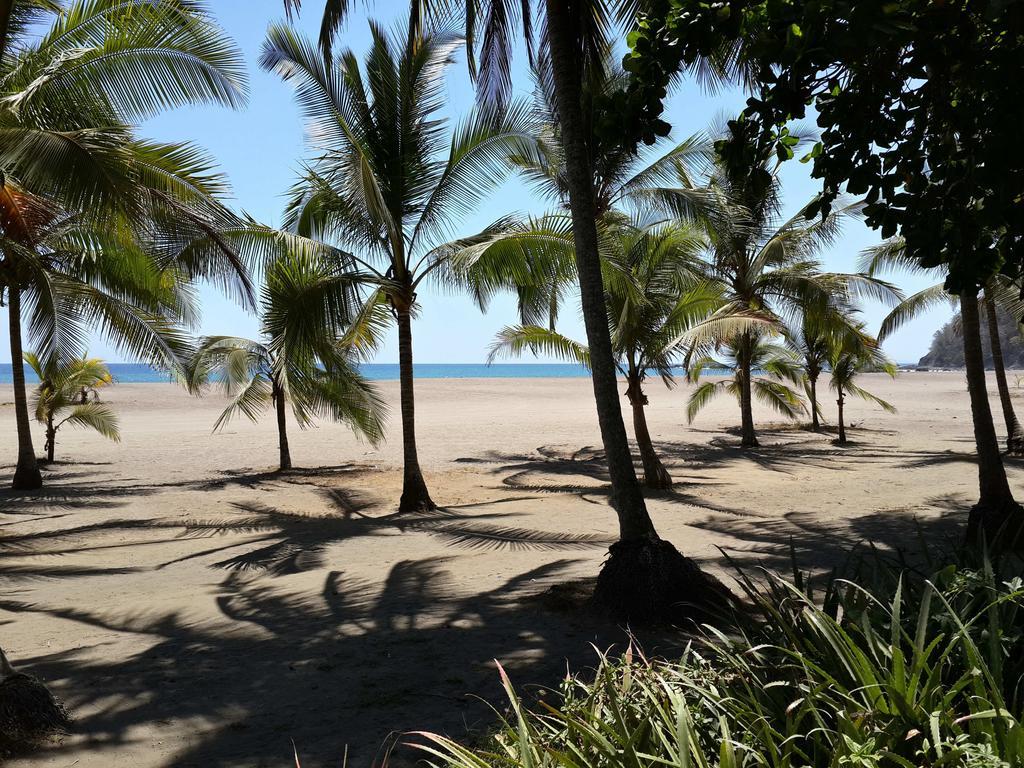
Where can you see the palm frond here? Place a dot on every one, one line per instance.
(99, 417)
(779, 397)
(512, 341)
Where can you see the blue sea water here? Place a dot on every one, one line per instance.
(131, 373)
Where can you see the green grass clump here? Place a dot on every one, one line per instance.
(887, 667)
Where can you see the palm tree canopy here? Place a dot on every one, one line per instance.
(62, 396)
(853, 354)
(781, 368)
(70, 96)
(659, 308)
(94, 220)
(306, 305)
(387, 182)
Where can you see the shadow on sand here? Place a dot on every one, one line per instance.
(358, 659)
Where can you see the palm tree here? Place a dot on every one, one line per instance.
(779, 364)
(68, 393)
(76, 276)
(87, 209)
(768, 265)
(377, 186)
(997, 516)
(810, 340)
(1014, 429)
(644, 575)
(998, 293)
(304, 360)
(658, 310)
(816, 335)
(850, 355)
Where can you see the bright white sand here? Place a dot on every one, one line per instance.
(194, 608)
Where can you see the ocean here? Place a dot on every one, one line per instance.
(132, 373)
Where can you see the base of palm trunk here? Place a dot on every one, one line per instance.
(29, 713)
(749, 442)
(648, 581)
(658, 479)
(1015, 445)
(27, 479)
(415, 497)
(999, 527)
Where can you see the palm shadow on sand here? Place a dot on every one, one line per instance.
(361, 659)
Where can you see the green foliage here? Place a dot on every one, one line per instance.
(947, 347)
(305, 357)
(916, 100)
(779, 369)
(851, 354)
(68, 393)
(93, 219)
(660, 308)
(394, 210)
(886, 668)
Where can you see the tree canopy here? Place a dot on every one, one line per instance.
(939, 80)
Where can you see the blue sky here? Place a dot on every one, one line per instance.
(260, 148)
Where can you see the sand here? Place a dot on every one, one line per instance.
(193, 607)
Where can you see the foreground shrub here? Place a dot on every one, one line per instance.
(885, 668)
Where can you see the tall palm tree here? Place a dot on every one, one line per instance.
(643, 575)
(68, 393)
(376, 185)
(87, 209)
(304, 359)
(850, 355)
(997, 516)
(998, 293)
(658, 311)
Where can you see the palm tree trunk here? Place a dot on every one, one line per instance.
(655, 474)
(415, 497)
(842, 423)
(281, 407)
(26, 475)
(996, 517)
(748, 437)
(815, 423)
(627, 499)
(51, 438)
(1014, 431)
(644, 577)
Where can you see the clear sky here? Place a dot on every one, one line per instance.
(260, 147)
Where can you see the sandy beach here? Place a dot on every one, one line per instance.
(195, 608)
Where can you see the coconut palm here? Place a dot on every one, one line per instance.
(767, 264)
(781, 367)
(815, 336)
(74, 277)
(852, 354)
(810, 340)
(304, 360)
(92, 217)
(997, 513)
(658, 311)
(377, 186)
(68, 393)
(999, 293)
(644, 574)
